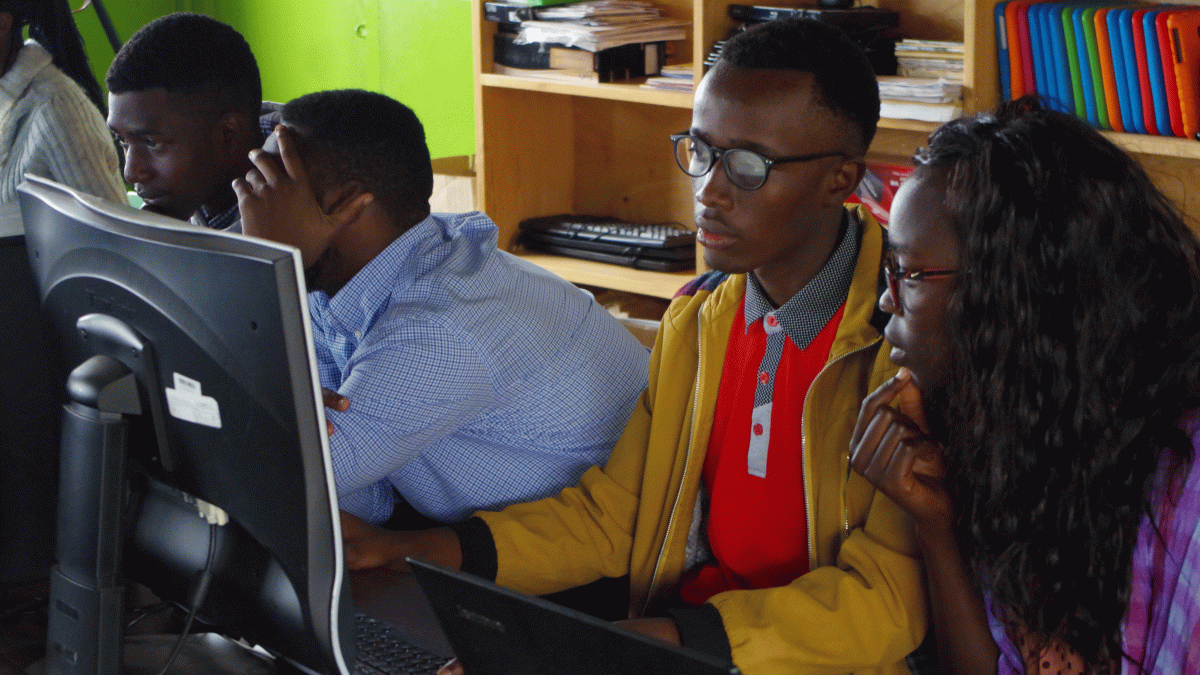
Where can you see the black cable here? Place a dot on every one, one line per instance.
(199, 593)
(107, 24)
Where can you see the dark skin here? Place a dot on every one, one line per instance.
(893, 446)
(181, 152)
(784, 232)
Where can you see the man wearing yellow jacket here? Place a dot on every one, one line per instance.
(728, 500)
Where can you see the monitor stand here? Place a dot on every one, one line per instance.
(85, 631)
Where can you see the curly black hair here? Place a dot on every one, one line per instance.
(356, 135)
(1077, 349)
(193, 55)
(51, 24)
(844, 76)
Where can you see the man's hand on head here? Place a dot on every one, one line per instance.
(278, 202)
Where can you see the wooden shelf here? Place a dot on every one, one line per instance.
(546, 147)
(591, 273)
(631, 91)
(1163, 146)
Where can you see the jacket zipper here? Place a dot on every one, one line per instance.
(812, 538)
(686, 463)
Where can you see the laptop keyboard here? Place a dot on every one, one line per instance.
(383, 650)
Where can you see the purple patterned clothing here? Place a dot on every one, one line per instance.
(1162, 624)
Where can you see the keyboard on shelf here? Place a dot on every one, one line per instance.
(666, 247)
(612, 231)
(383, 650)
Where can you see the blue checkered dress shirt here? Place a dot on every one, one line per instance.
(475, 379)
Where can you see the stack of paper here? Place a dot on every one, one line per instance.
(595, 38)
(930, 58)
(918, 98)
(675, 77)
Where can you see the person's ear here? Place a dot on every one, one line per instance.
(231, 128)
(344, 202)
(843, 180)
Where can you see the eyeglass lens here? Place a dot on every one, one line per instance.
(744, 168)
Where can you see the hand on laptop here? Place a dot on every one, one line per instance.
(659, 628)
(368, 546)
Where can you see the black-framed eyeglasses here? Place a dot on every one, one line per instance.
(745, 168)
(896, 274)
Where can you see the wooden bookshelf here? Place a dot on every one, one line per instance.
(546, 147)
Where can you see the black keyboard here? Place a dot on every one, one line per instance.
(383, 650)
(612, 231)
(663, 247)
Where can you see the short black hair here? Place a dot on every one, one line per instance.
(845, 80)
(363, 136)
(190, 54)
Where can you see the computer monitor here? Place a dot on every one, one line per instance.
(192, 381)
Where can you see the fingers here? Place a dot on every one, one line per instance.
(877, 399)
(335, 400)
(289, 153)
(908, 400)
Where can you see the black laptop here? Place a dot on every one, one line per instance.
(495, 631)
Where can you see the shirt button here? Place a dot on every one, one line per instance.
(358, 334)
(771, 324)
(764, 377)
(758, 429)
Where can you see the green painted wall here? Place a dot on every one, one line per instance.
(418, 52)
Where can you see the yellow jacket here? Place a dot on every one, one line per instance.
(860, 609)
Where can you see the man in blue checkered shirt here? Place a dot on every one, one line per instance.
(473, 379)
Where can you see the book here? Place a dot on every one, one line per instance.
(945, 47)
(852, 19)
(549, 74)
(599, 10)
(917, 89)
(507, 12)
(914, 110)
(617, 63)
(596, 38)
(610, 65)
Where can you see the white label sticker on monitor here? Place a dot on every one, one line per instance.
(186, 402)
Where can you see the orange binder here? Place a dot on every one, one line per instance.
(1184, 31)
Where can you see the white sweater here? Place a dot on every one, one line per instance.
(50, 128)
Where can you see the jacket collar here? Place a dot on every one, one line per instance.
(805, 314)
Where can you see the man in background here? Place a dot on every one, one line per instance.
(474, 379)
(185, 103)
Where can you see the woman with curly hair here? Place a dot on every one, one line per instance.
(51, 108)
(1045, 303)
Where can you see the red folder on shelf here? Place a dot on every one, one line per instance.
(1184, 31)
(1020, 54)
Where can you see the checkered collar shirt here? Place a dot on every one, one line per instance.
(475, 379)
(221, 221)
(231, 218)
(807, 312)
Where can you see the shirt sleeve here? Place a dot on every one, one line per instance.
(409, 387)
(77, 148)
